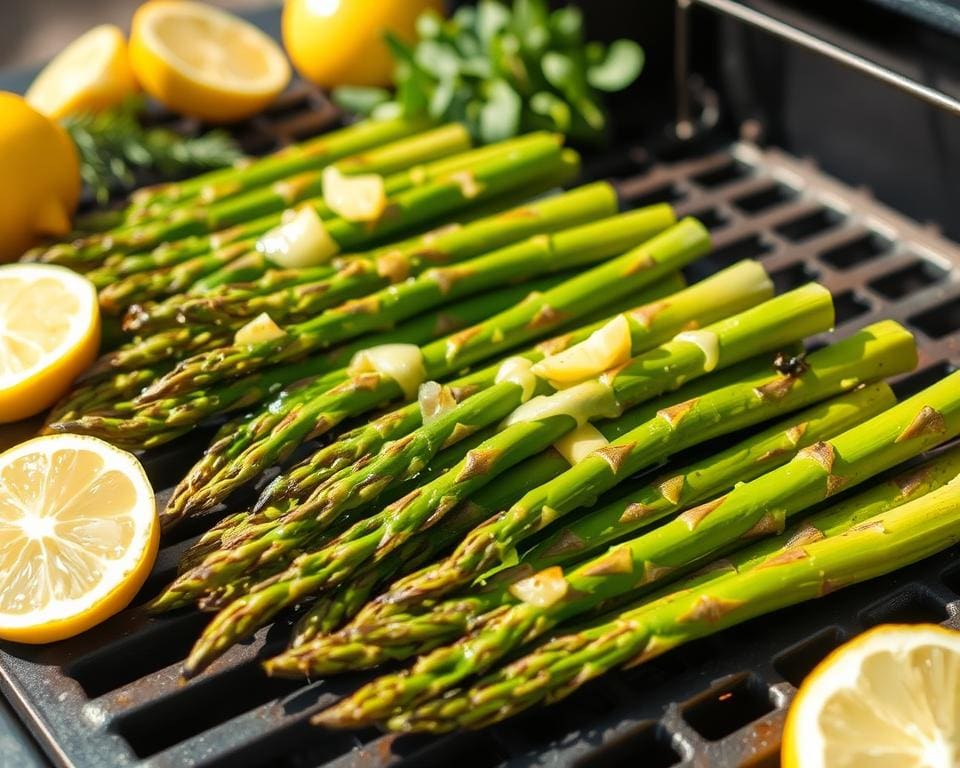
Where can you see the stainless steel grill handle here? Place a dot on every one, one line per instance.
(685, 125)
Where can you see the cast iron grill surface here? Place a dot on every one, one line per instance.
(113, 696)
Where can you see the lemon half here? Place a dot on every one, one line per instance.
(49, 334)
(201, 61)
(78, 535)
(890, 698)
(90, 74)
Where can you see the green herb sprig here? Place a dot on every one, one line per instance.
(114, 145)
(503, 71)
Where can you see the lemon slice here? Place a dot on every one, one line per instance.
(888, 699)
(205, 62)
(78, 535)
(49, 333)
(90, 74)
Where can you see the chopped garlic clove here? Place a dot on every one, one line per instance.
(362, 197)
(435, 401)
(518, 371)
(709, 344)
(262, 328)
(543, 589)
(401, 362)
(301, 240)
(605, 348)
(581, 402)
(577, 445)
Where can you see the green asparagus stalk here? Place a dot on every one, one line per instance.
(167, 200)
(274, 504)
(726, 293)
(449, 245)
(197, 249)
(101, 395)
(533, 317)
(217, 598)
(751, 510)
(561, 173)
(313, 153)
(232, 218)
(380, 635)
(874, 533)
(165, 347)
(517, 477)
(809, 310)
(708, 478)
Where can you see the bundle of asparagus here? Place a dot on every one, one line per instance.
(882, 529)
(164, 201)
(443, 187)
(465, 524)
(736, 288)
(383, 631)
(120, 375)
(751, 510)
(273, 432)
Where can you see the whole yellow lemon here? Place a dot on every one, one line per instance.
(340, 42)
(40, 174)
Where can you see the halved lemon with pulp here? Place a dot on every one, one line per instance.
(888, 699)
(90, 74)
(49, 334)
(78, 535)
(205, 62)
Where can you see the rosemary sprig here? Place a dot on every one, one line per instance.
(114, 145)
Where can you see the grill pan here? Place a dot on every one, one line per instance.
(113, 697)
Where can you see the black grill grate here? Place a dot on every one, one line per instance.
(112, 696)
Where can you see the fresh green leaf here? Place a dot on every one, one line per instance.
(492, 18)
(387, 110)
(476, 66)
(554, 109)
(594, 53)
(559, 70)
(429, 25)
(566, 25)
(401, 51)
(500, 116)
(439, 59)
(591, 112)
(529, 15)
(442, 98)
(465, 17)
(360, 99)
(503, 69)
(622, 65)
